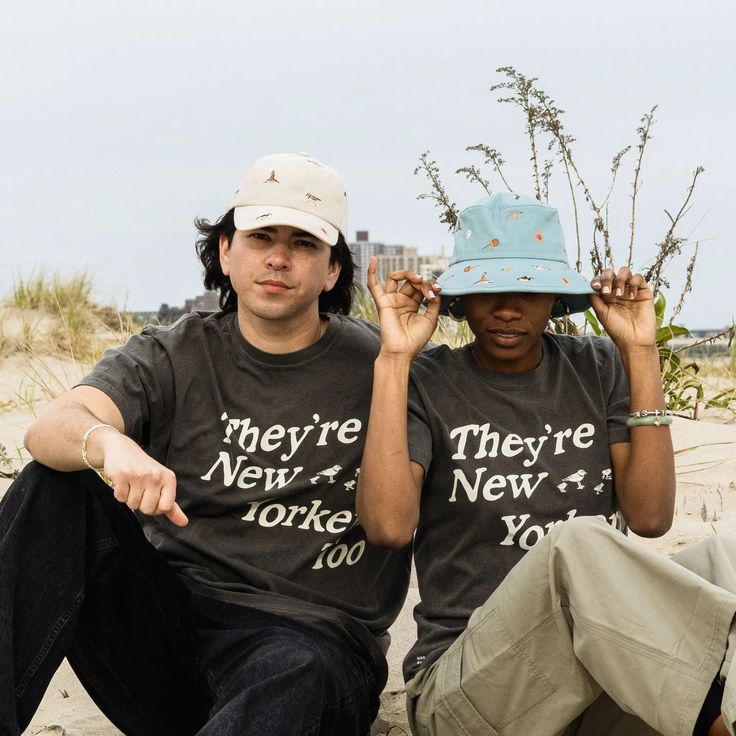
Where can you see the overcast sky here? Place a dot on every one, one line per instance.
(123, 121)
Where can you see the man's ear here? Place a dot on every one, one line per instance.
(225, 254)
(333, 273)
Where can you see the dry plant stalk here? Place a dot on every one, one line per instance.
(543, 124)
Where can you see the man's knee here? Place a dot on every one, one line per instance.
(40, 497)
(39, 486)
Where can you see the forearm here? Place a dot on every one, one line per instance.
(388, 497)
(646, 492)
(55, 438)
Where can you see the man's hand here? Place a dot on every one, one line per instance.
(404, 331)
(624, 306)
(139, 481)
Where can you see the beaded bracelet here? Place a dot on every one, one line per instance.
(651, 412)
(85, 439)
(650, 420)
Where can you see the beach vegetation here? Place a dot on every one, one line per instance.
(551, 152)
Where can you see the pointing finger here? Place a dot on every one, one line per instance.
(177, 516)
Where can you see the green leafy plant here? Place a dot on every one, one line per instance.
(551, 149)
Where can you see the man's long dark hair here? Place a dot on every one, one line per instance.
(338, 300)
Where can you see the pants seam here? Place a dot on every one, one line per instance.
(643, 649)
(57, 628)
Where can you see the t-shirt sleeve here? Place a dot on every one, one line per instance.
(419, 431)
(138, 377)
(619, 396)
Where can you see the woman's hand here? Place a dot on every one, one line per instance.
(624, 306)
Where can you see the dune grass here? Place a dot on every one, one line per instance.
(79, 328)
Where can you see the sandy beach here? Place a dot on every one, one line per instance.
(706, 505)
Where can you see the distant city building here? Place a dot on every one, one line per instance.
(207, 302)
(392, 258)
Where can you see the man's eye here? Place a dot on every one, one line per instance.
(306, 243)
(259, 236)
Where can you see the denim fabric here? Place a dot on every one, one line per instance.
(270, 677)
(79, 580)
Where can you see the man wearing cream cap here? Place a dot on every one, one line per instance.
(241, 597)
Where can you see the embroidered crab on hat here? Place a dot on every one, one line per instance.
(292, 189)
(516, 242)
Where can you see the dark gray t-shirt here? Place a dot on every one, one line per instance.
(506, 457)
(266, 450)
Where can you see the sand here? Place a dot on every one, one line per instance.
(706, 505)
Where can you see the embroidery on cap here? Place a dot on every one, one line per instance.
(514, 215)
(313, 198)
(506, 269)
(470, 268)
(272, 179)
(265, 214)
(525, 279)
(565, 281)
(468, 234)
(448, 277)
(323, 230)
(492, 243)
(539, 237)
(483, 279)
(539, 267)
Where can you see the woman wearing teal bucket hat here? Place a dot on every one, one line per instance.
(521, 459)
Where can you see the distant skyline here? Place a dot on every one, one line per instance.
(122, 122)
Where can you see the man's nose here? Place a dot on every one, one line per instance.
(278, 256)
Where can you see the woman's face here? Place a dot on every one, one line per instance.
(508, 329)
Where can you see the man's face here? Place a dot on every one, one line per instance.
(508, 329)
(278, 272)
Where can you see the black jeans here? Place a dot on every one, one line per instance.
(79, 580)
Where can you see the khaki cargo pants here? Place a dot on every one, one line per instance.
(591, 634)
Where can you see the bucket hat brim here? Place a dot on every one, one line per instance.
(486, 276)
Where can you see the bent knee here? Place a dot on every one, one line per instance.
(583, 530)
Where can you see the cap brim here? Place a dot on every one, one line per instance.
(252, 217)
(486, 276)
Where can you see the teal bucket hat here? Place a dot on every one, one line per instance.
(512, 243)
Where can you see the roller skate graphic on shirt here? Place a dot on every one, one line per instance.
(328, 473)
(574, 478)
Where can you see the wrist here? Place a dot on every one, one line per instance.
(94, 442)
(640, 357)
(388, 358)
(635, 351)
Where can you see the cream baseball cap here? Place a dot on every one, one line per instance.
(292, 189)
